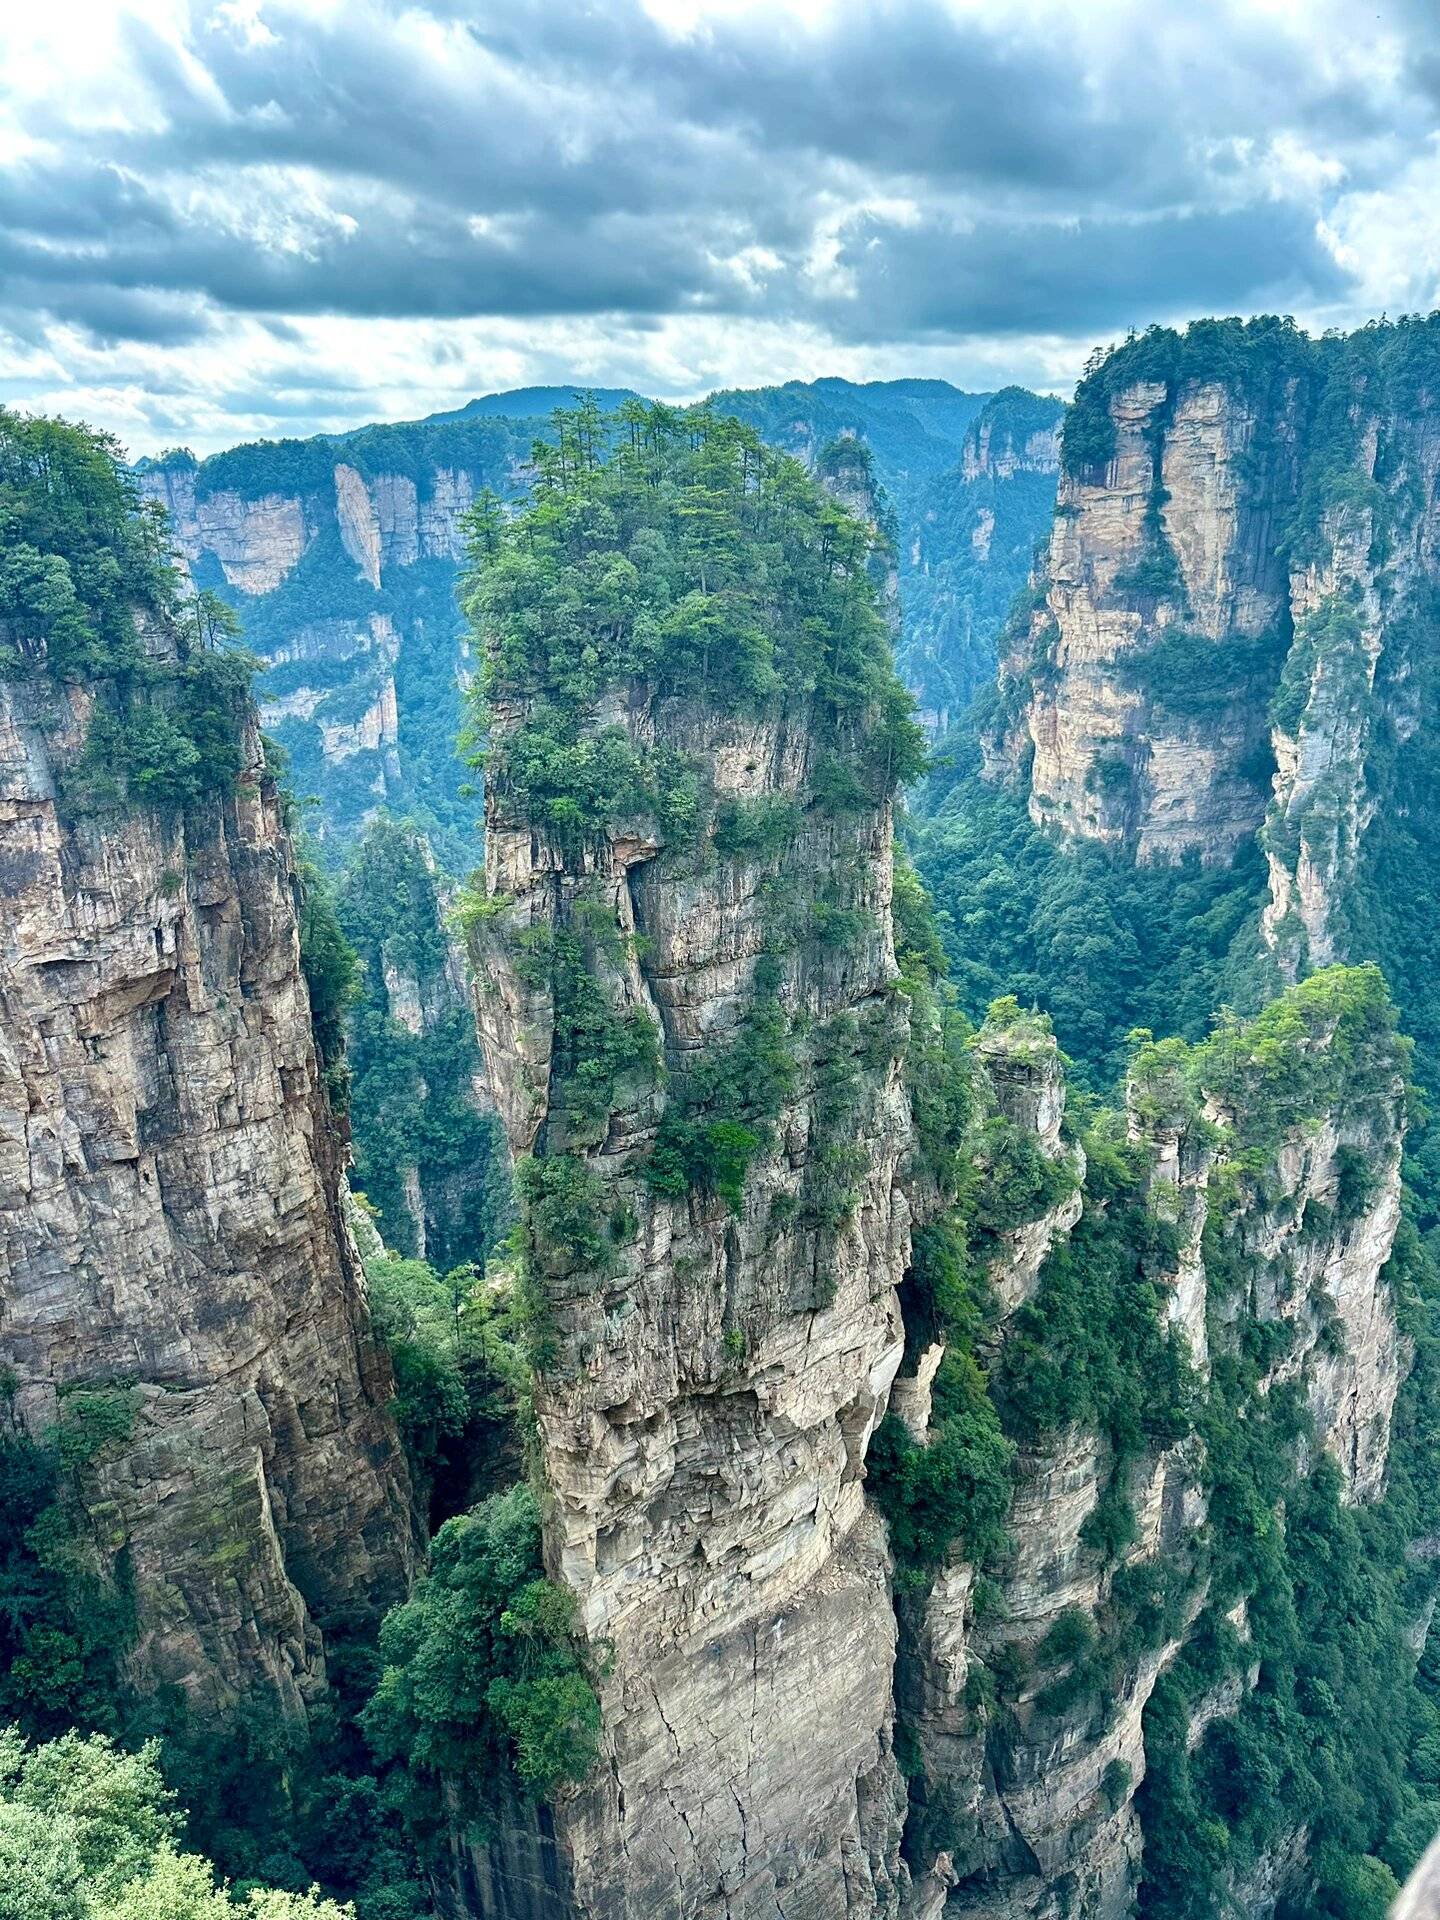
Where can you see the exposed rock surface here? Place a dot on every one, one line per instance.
(170, 1222)
(1223, 596)
(345, 579)
(1115, 755)
(1028, 1804)
(705, 1426)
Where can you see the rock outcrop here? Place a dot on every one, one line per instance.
(170, 1222)
(1224, 639)
(342, 566)
(1024, 1792)
(704, 1423)
(1143, 722)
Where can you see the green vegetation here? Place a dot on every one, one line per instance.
(90, 1832)
(721, 1112)
(1105, 947)
(677, 552)
(331, 972)
(64, 1624)
(412, 1093)
(953, 1493)
(460, 1379)
(87, 593)
(1092, 1348)
(483, 1680)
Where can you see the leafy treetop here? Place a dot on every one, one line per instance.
(677, 551)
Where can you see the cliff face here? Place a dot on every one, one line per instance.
(1225, 635)
(170, 1225)
(705, 1422)
(1144, 721)
(1024, 1689)
(343, 572)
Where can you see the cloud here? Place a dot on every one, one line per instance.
(638, 194)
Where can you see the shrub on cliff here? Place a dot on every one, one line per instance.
(483, 1680)
(680, 556)
(85, 575)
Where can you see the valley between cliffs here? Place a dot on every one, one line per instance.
(912, 1457)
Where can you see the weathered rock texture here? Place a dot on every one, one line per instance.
(170, 1222)
(1026, 1803)
(705, 1424)
(1120, 752)
(1225, 638)
(343, 570)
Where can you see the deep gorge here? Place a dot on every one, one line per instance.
(945, 1423)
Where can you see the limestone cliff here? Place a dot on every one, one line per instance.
(170, 1226)
(1024, 1686)
(341, 562)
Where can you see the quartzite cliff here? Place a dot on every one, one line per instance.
(170, 1219)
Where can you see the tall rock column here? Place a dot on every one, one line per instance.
(170, 1228)
(1165, 619)
(719, 1364)
(689, 1008)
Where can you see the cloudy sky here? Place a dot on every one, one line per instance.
(230, 218)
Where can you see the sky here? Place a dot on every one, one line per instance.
(226, 219)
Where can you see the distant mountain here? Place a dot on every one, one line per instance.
(968, 539)
(532, 403)
(340, 553)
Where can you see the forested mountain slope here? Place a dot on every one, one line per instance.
(1208, 769)
(1223, 678)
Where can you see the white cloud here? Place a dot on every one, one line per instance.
(228, 217)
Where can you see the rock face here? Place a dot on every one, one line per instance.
(1026, 1802)
(1314, 1237)
(341, 564)
(1142, 721)
(170, 1222)
(704, 1425)
(1226, 634)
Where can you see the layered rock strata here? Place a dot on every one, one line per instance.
(705, 1421)
(1229, 615)
(170, 1226)
(1137, 614)
(1027, 1801)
